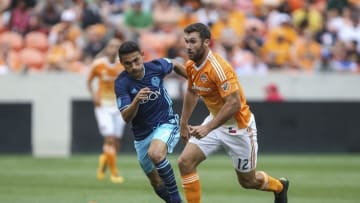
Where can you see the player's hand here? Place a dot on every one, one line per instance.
(96, 100)
(143, 94)
(199, 131)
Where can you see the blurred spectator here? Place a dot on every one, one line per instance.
(278, 15)
(90, 14)
(62, 53)
(285, 28)
(68, 29)
(276, 53)
(342, 59)
(136, 19)
(112, 12)
(307, 17)
(325, 64)
(254, 66)
(272, 93)
(166, 15)
(188, 17)
(208, 13)
(254, 35)
(95, 41)
(20, 17)
(4, 51)
(50, 14)
(350, 32)
(306, 52)
(230, 23)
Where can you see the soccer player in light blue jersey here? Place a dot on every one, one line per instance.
(144, 101)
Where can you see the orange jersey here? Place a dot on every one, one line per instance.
(106, 74)
(213, 81)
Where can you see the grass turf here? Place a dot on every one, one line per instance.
(314, 179)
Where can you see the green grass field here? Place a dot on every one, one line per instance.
(314, 179)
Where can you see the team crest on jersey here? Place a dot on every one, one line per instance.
(225, 86)
(155, 81)
(134, 91)
(203, 77)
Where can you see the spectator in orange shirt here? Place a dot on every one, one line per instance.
(231, 22)
(276, 53)
(306, 52)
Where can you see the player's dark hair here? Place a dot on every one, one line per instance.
(128, 47)
(202, 29)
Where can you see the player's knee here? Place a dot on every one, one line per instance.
(185, 164)
(156, 156)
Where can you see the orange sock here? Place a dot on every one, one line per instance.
(270, 183)
(102, 162)
(110, 153)
(192, 187)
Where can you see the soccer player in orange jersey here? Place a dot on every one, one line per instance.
(230, 125)
(110, 122)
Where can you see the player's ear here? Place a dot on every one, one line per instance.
(207, 42)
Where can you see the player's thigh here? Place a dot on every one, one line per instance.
(190, 157)
(141, 148)
(119, 124)
(104, 120)
(169, 134)
(242, 147)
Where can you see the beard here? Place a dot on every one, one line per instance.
(197, 54)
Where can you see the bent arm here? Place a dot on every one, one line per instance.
(231, 106)
(189, 103)
(179, 68)
(130, 111)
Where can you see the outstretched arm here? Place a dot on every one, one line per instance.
(179, 68)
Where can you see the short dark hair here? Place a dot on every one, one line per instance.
(128, 47)
(202, 29)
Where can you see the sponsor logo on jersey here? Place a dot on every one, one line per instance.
(205, 89)
(153, 95)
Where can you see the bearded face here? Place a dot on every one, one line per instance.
(196, 48)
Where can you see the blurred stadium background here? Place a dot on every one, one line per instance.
(298, 62)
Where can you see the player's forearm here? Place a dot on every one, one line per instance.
(130, 112)
(189, 103)
(179, 68)
(229, 109)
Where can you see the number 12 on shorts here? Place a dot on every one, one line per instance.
(243, 164)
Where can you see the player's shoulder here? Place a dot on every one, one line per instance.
(157, 64)
(100, 61)
(217, 60)
(122, 78)
(159, 61)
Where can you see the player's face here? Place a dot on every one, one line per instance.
(195, 47)
(112, 47)
(133, 64)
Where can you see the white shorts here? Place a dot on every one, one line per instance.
(240, 144)
(110, 121)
